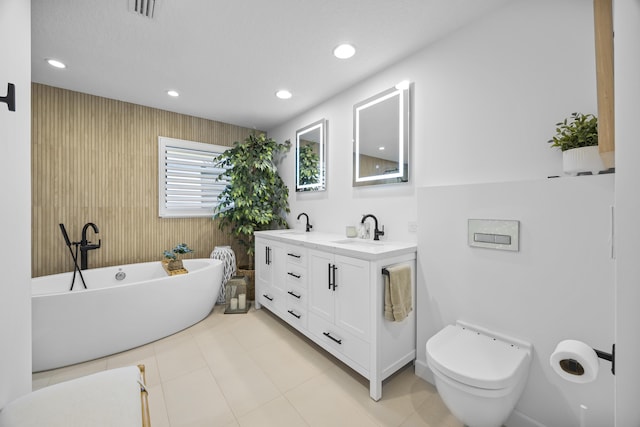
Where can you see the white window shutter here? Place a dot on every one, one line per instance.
(188, 185)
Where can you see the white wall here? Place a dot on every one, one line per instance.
(627, 70)
(15, 193)
(559, 285)
(488, 97)
(485, 101)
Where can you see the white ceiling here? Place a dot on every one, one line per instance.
(227, 58)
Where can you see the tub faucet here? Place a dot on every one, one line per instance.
(376, 233)
(308, 227)
(85, 245)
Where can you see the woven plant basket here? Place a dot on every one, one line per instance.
(175, 264)
(243, 270)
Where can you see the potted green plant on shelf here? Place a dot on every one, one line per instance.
(256, 197)
(577, 138)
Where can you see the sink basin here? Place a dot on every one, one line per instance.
(292, 232)
(359, 242)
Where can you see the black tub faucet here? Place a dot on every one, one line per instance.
(85, 245)
(376, 233)
(308, 227)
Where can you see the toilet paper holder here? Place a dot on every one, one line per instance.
(611, 357)
(10, 98)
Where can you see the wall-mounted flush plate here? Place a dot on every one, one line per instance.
(494, 234)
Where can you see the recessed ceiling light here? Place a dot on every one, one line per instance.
(173, 93)
(55, 63)
(344, 51)
(283, 94)
(381, 148)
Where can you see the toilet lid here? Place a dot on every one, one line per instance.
(475, 359)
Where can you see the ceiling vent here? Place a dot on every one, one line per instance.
(144, 8)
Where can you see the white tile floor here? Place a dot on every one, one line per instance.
(254, 370)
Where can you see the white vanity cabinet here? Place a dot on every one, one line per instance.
(332, 291)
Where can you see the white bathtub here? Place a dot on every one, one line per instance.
(116, 315)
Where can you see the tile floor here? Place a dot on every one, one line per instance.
(254, 370)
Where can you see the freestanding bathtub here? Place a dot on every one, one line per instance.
(114, 315)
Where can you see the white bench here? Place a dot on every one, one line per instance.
(116, 398)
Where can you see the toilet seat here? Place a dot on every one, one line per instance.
(477, 359)
(475, 391)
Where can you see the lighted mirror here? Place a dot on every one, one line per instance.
(311, 143)
(381, 138)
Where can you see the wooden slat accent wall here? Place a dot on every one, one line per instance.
(95, 160)
(370, 165)
(603, 19)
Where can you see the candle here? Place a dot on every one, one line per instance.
(242, 301)
(234, 304)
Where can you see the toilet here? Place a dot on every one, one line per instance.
(479, 374)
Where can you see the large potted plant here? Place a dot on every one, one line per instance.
(256, 197)
(577, 138)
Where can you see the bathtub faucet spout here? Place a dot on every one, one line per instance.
(86, 246)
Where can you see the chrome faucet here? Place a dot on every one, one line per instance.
(376, 233)
(85, 245)
(308, 227)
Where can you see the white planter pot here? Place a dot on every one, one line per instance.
(583, 159)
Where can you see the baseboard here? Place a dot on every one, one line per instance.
(394, 367)
(518, 419)
(423, 371)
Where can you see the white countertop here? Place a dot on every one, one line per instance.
(341, 245)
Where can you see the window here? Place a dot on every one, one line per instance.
(187, 178)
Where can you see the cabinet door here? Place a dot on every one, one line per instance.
(263, 266)
(264, 295)
(321, 294)
(352, 308)
(269, 273)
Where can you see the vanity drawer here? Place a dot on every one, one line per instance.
(296, 316)
(296, 255)
(270, 299)
(330, 336)
(296, 275)
(296, 296)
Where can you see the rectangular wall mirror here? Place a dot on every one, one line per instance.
(381, 138)
(311, 169)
